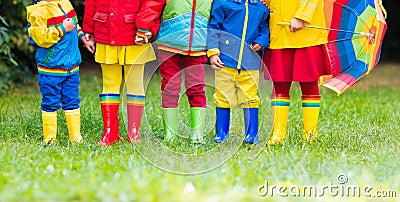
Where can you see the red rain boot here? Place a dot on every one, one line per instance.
(134, 119)
(111, 124)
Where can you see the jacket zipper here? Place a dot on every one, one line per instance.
(192, 27)
(62, 10)
(69, 65)
(69, 56)
(246, 19)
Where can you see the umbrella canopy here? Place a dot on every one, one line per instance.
(356, 30)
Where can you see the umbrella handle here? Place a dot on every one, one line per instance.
(383, 9)
(363, 34)
(283, 24)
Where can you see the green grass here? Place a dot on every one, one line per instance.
(359, 137)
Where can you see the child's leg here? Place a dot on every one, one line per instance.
(224, 98)
(310, 106)
(135, 99)
(309, 88)
(109, 101)
(194, 83)
(70, 104)
(70, 92)
(134, 79)
(248, 86)
(194, 80)
(112, 77)
(281, 88)
(50, 87)
(170, 72)
(170, 87)
(225, 90)
(280, 101)
(247, 95)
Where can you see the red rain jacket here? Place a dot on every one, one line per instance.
(116, 22)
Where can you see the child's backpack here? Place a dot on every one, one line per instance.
(30, 40)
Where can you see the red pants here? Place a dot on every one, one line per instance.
(170, 70)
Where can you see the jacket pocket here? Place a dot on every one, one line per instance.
(100, 17)
(228, 39)
(130, 18)
(48, 55)
(229, 46)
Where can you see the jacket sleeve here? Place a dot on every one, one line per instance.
(307, 9)
(80, 32)
(88, 21)
(148, 17)
(41, 34)
(263, 37)
(214, 28)
(79, 29)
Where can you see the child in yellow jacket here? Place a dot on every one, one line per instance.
(55, 31)
(296, 54)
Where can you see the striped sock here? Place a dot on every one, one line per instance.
(109, 98)
(280, 100)
(311, 101)
(136, 99)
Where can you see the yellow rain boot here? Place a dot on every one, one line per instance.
(49, 121)
(310, 106)
(280, 112)
(73, 118)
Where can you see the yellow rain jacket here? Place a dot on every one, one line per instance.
(311, 11)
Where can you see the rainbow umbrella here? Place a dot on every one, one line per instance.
(356, 30)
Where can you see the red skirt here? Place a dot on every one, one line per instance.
(296, 64)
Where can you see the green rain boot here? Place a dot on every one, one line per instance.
(197, 124)
(170, 121)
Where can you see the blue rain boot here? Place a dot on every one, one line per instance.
(222, 124)
(251, 125)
